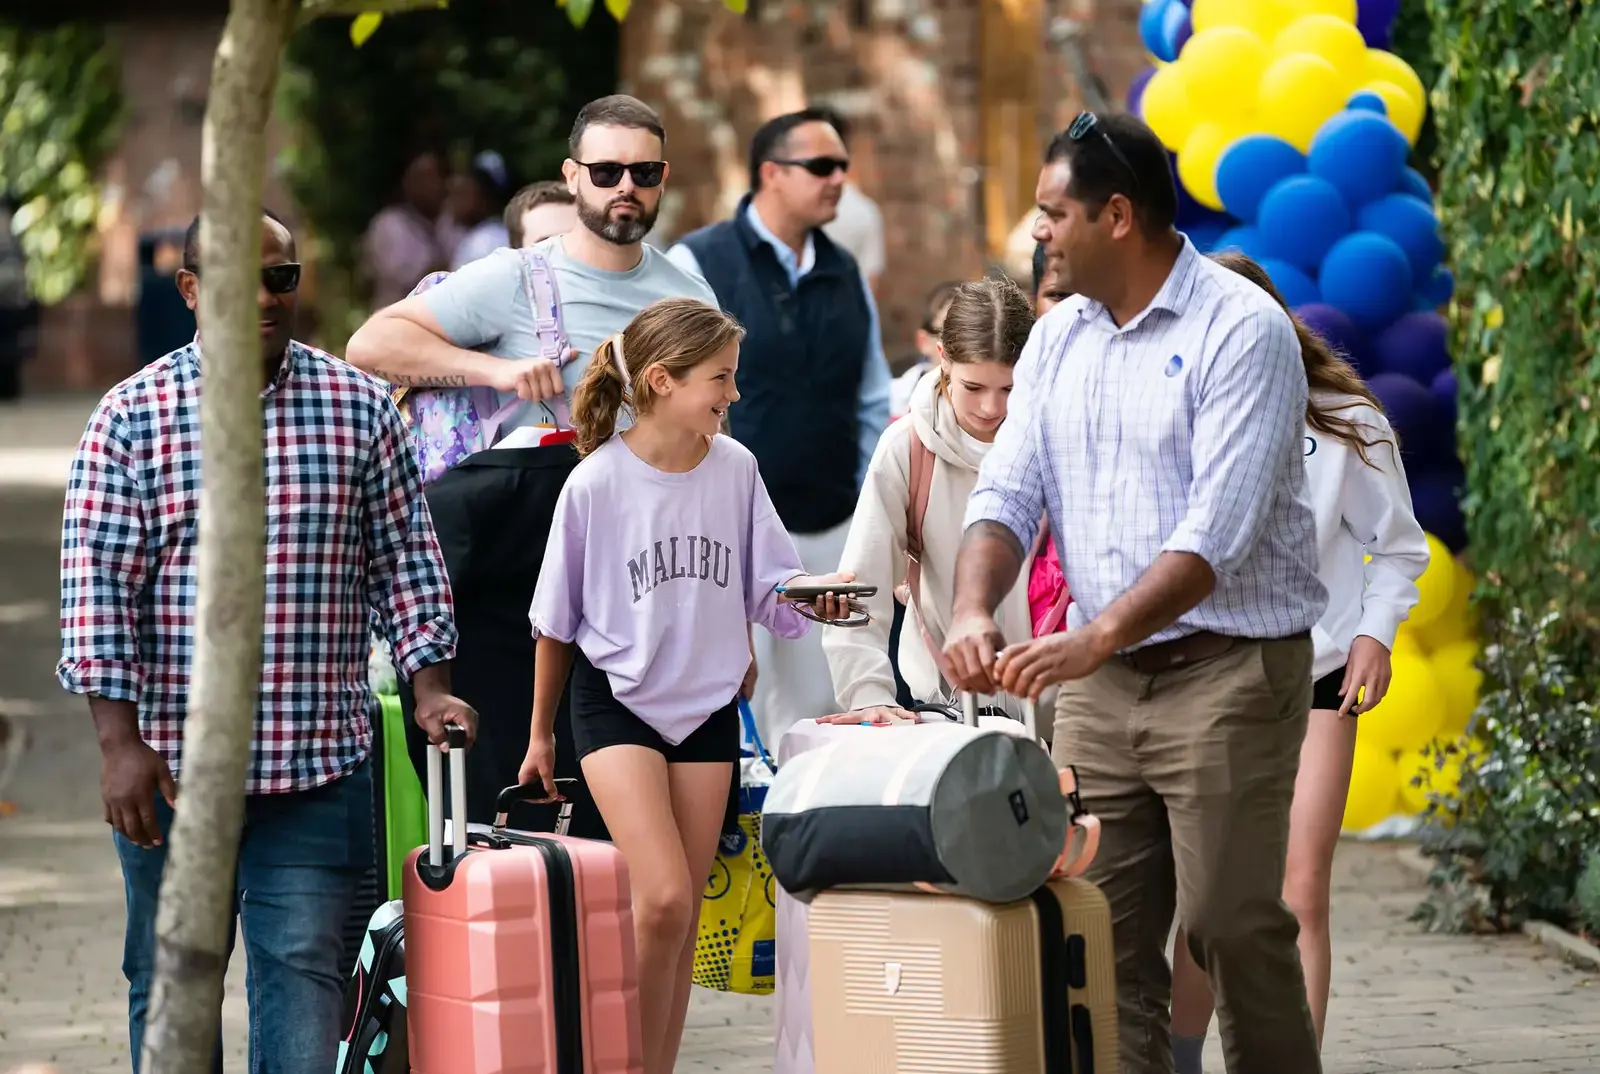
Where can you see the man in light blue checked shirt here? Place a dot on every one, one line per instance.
(1157, 417)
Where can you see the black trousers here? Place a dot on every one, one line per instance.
(493, 514)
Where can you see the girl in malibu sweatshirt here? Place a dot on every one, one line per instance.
(664, 549)
(1362, 505)
(956, 409)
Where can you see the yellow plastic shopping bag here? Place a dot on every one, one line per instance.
(736, 947)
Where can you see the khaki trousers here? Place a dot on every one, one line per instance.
(1191, 772)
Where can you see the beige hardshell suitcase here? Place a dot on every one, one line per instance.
(913, 983)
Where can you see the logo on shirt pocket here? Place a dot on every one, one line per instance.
(1174, 366)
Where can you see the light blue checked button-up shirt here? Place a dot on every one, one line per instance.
(1180, 431)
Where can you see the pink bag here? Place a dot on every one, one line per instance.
(448, 424)
(519, 946)
(1048, 595)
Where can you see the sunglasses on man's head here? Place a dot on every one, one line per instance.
(281, 279)
(608, 173)
(1086, 124)
(821, 167)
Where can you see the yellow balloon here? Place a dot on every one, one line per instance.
(1264, 18)
(1165, 106)
(1436, 770)
(1374, 789)
(1460, 681)
(1221, 67)
(1328, 36)
(1411, 713)
(1197, 161)
(1402, 110)
(1387, 67)
(1407, 641)
(1459, 620)
(1437, 585)
(1345, 10)
(1297, 95)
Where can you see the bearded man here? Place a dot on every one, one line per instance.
(476, 329)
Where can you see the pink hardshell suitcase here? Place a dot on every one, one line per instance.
(519, 946)
(793, 1050)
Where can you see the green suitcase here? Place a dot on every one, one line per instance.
(405, 810)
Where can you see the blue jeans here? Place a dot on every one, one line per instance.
(300, 858)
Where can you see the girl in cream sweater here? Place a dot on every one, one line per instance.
(956, 409)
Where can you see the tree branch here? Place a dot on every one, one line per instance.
(194, 920)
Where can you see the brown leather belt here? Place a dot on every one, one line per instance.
(1181, 652)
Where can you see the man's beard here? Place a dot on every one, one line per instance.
(598, 219)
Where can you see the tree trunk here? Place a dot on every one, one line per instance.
(195, 921)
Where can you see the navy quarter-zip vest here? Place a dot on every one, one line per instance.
(800, 367)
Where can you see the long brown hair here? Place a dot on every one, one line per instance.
(674, 333)
(988, 320)
(1327, 370)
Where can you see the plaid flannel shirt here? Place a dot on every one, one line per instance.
(350, 548)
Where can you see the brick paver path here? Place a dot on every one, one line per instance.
(1403, 1001)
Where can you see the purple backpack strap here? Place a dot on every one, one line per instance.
(540, 282)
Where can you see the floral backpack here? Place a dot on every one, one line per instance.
(449, 424)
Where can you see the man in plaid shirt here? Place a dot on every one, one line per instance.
(350, 546)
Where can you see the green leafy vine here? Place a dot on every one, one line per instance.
(60, 107)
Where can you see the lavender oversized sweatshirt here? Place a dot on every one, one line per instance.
(654, 575)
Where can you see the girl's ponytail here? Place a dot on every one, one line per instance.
(599, 396)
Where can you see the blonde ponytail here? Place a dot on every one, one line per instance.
(674, 333)
(599, 396)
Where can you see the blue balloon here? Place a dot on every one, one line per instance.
(1366, 101)
(1417, 345)
(1294, 285)
(1367, 275)
(1412, 182)
(1436, 493)
(1300, 219)
(1150, 27)
(1136, 89)
(1177, 27)
(1205, 236)
(1252, 166)
(1245, 239)
(1360, 153)
(1438, 287)
(1342, 334)
(1446, 392)
(1374, 19)
(1411, 410)
(1411, 224)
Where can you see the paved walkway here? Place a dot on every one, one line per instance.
(1403, 1001)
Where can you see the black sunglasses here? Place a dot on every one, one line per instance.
(821, 167)
(606, 174)
(281, 279)
(1088, 123)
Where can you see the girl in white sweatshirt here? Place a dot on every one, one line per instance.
(955, 411)
(1362, 505)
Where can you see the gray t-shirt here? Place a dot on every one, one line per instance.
(483, 306)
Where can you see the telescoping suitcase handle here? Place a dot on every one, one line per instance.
(1030, 714)
(456, 739)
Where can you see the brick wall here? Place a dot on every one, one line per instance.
(907, 73)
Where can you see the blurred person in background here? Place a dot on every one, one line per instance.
(477, 199)
(1047, 290)
(403, 241)
(933, 311)
(538, 211)
(858, 227)
(813, 380)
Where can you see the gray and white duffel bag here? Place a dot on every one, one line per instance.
(965, 810)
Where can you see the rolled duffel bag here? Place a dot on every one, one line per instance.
(956, 808)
